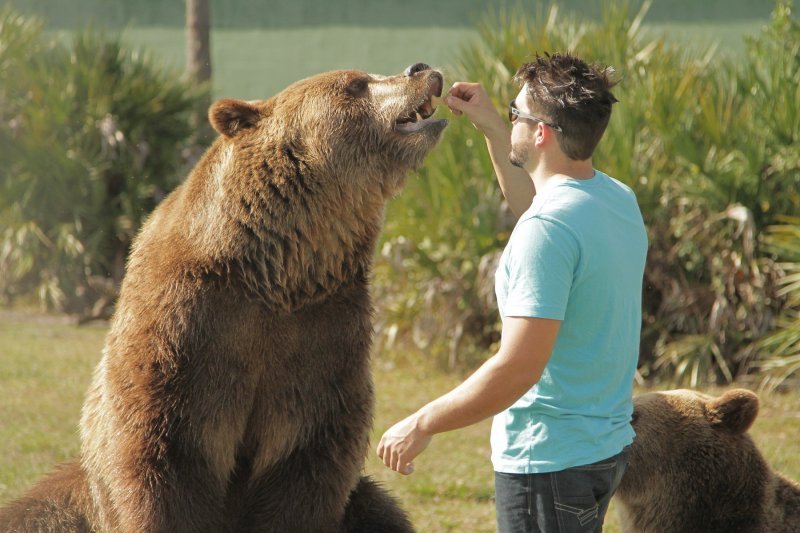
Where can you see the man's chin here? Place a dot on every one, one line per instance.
(518, 160)
(519, 156)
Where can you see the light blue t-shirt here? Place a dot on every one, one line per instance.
(576, 255)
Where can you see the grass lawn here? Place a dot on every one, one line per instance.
(46, 364)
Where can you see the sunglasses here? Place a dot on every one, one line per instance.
(514, 113)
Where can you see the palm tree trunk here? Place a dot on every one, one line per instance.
(198, 70)
(198, 40)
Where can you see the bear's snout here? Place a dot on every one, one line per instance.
(436, 83)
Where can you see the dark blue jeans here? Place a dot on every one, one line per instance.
(570, 501)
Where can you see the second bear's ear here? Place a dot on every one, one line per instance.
(230, 116)
(735, 411)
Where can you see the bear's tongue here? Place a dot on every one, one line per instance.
(410, 127)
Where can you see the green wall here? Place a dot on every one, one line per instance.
(259, 47)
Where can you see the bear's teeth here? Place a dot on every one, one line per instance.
(418, 117)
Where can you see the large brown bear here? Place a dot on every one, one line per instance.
(694, 469)
(234, 392)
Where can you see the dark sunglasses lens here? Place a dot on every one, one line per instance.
(511, 116)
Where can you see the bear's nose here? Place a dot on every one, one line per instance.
(416, 67)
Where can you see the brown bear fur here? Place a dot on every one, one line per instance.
(234, 392)
(693, 468)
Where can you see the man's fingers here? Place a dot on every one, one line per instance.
(379, 450)
(385, 455)
(394, 460)
(458, 99)
(396, 464)
(464, 90)
(389, 456)
(387, 460)
(400, 444)
(456, 104)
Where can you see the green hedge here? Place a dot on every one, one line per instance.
(92, 136)
(708, 141)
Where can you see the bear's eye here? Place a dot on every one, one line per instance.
(357, 87)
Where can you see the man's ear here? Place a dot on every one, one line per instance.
(229, 116)
(539, 134)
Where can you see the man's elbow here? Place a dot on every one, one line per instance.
(518, 381)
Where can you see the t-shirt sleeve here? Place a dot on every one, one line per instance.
(543, 260)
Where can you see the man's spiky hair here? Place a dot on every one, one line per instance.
(572, 94)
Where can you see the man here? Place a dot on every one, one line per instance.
(569, 292)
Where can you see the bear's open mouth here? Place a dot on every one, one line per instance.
(420, 117)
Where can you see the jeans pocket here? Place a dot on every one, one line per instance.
(582, 515)
(580, 494)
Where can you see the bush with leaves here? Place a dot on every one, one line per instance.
(92, 135)
(708, 142)
(716, 286)
(778, 353)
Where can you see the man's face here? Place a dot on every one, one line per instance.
(523, 149)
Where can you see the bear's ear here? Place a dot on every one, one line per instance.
(230, 116)
(735, 411)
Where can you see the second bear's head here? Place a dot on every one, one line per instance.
(686, 441)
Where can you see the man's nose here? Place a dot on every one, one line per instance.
(416, 67)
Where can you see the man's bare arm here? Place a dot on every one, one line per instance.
(524, 351)
(471, 99)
